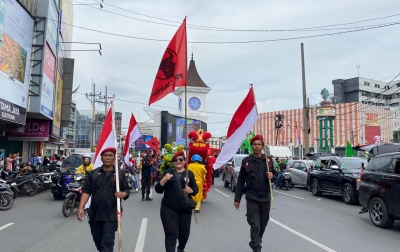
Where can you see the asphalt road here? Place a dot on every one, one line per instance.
(299, 222)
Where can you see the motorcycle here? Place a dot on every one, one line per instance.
(286, 180)
(27, 185)
(6, 196)
(73, 197)
(129, 179)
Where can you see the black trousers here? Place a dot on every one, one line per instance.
(176, 226)
(257, 217)
(146, 185)
(103, 233)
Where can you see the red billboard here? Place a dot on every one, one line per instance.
(372, 129)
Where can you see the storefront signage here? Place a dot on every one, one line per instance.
(34, 131)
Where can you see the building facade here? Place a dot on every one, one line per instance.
(354, 122)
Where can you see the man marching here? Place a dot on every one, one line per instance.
(254, 173)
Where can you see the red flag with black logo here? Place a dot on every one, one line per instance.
(153, 143)
(172, 71)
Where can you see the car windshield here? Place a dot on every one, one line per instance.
(351, 163)
(238, 160)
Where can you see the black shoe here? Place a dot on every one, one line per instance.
(178, 250)
(148, 198)
(257, 250)
(363, 210)
(142, 197)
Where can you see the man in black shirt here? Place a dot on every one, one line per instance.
(147, 163)
(254, 173)
(100, 184)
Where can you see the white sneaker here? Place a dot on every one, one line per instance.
(136, 190)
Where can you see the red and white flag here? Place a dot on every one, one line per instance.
(107, 138)
(132, 135)
(172, 71)
(245, 117)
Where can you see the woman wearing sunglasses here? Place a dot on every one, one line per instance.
(175, 220)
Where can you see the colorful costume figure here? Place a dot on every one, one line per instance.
(199, 145)
(169, 151)
(199, 172)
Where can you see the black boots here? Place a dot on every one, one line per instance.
(178, 250)
(148, 198)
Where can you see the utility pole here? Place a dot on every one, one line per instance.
(305, 108)
(92, 98)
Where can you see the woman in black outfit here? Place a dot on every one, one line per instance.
(175, 220)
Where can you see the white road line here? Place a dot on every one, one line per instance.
(226, 195)
(142, 236)
(303, 236)
(288, 195)
(6, 226)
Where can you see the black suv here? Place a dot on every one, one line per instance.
(380, 189)
(337, 175)
(66, 174)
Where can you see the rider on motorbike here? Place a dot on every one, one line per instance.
(87, 165)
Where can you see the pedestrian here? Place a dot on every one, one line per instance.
(100, 185)
(10, 159)
(39, 158)
(146, 175)
(34, 160)
(362, 169)
(254, 173)
(175, 220)
(200, 173)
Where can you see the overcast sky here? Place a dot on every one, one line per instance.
(128, 66)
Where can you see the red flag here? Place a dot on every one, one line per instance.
(132, 135)
(172, 72)
(106, 139)
(153, 143)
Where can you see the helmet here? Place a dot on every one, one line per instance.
(196, 157)
(87, 156)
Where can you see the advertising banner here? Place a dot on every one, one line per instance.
(140, 143)
(52, 26)
(16, 33)
(372, 129)
(47, 97)
(57, 106)
(34, 131)
(67, 17)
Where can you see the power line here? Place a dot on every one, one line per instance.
(246, 30)
(234, 42)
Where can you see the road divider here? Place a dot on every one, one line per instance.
(303, 236)
(142, 236)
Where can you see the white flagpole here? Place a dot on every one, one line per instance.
(119, 215)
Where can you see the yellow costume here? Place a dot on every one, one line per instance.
(83, 169)
(200, 173)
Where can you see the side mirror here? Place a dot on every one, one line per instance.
(335, 167)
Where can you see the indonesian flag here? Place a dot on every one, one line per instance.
(245, 117)
(107, 139)
(172, 71)
(131, 137)
(153, 143)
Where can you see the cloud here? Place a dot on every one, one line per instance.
(128, 66)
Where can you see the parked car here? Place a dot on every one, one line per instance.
(380, 189)
(300, 171)
(231, 172)
(340, 176)
(67, 170)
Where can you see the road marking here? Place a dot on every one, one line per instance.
(226, 195)
(303, 236)
(289, 195)
(142, 236)
(6, 226)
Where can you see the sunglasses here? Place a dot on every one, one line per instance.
(178, 159)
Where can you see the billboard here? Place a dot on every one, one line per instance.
(140, 143)
(57, 105)
(173, 128)
(34, 131)
(47, 97)
(372, 129)
(52, 26)
(16, 33)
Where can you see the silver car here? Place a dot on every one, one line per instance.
(231, 171)
(299, 170)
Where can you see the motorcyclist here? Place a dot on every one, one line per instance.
(282, 167)
(87, 165)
